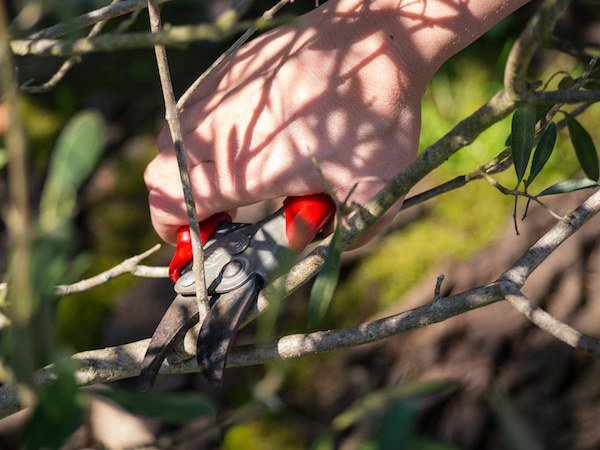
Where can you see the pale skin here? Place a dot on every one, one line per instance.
(343, 85)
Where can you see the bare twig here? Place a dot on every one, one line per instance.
(266, 17)
(541, 97)
(174, 36)
(584, 50)
(172, 117)
(99, 15)
(552, 325)
(438, 287)
(130, 265)
(65, 66)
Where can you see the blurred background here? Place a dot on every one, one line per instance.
(486, 379)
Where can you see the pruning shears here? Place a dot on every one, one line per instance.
(239, 259)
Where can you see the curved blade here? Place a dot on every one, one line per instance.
(220, 327)
(179, 318)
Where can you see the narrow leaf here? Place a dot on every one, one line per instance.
(584, 148)
(75, 155)
(523, 133)
(326, 282)
(542, 152)
(172, 407)
(373, 405)
(398, 426)
(574, 184)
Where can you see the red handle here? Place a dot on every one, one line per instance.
(305, 216)
(183, 253)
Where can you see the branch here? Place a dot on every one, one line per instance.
(174, 36)
(172, 117)
(524, 267)
(99, 15)
(130, 265)
(116, 363)
(537, 31)
(563, 96)
(499, 164)
(584, 50)
(266, 17)
(65, 66)
(549, 323)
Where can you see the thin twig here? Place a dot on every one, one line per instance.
(65, 66)
(438, 287)
(551, 324)
(130, 265)
(172, 117)
(565, 96)
(99, 15)
(266, 17)
(111, 42)
(577, 50)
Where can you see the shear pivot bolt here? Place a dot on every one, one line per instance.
(232, 268)
(238, 245)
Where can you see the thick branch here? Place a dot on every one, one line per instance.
(115, 363)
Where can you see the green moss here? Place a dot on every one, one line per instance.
(263, 434)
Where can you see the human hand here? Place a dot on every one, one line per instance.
(342, 85)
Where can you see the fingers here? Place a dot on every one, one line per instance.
(212, 194)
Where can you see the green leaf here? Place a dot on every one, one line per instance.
(326, 282)
(566, 83)
(398, 426)
(58, 413)
(523, 133)
(75, 155)
(372, 405)
(542, 152)
(584, 148)
(171, 407)
(574, 184)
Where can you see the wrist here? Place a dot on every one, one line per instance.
(428, 32)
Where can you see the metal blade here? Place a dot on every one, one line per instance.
(220, 327)
(179, 318)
